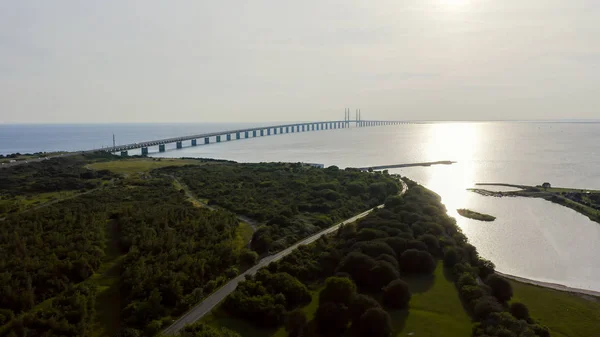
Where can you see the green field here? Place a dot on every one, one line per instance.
(565, 314)
(435, 309)
(139, 165)
(243, 235)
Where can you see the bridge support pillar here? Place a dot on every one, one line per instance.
(287, 129)
(274, 131)
(179, 145)
(219, 139)
(237, 135)
(144, 151)
(254, 133)
(262, 132)
(124, 154)
(228, 137)
(246, 134)
(161, 148)
(268, 131)
(194, 142)
(206, 140)
(303, 127)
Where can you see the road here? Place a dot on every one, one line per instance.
(211, 301)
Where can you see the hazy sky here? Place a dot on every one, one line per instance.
(207, 61)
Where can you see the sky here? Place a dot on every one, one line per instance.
(126, 61)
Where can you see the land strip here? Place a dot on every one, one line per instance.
(383, 167)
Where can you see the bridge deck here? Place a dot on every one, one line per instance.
(241, 131)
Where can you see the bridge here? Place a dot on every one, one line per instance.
(262, 131)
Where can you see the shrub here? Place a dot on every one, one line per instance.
(359, 306)
(375, 322)
(501, 288)
(415, 261)
(396, 294)
(519, 311)
(485, 306)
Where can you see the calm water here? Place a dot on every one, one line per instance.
(530, 238)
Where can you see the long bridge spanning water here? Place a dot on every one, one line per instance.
(262, 131)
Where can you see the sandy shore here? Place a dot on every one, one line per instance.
(587, 294)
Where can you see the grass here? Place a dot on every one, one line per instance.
(435, 309)
(140, 165)
(243, 235)
(467, 213)
(565, 314)
(21, 203)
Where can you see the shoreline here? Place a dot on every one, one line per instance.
(590, 295)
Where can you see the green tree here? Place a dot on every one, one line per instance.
(332, 318)
(382, 274)
(396, 294)
(519, 311)
(359, 306)
(375, 322)
(338, 290)
(295, 323)
(501, 288)
(248, 257)
(451, 257)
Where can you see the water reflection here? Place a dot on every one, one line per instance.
(458, 142)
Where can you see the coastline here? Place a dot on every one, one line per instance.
(590, 295)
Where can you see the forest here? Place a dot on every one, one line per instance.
(162, 253)
(359, 271)
(291, 200)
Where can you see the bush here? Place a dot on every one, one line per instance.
(359, 306)
(338, 290)
(416, 261)
(471, 294)
(375, 322)
(295, 322)
(332, 318)
(382, 274)
(485, 306)
(519, 311)
(451, 257)
(248, 257)
(396, 294)
(501, 288)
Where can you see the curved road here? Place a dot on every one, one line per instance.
(211, 301)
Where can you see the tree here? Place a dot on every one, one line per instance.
(359, 306)
(451, 257)
(416, 261)
(501, 288)
(396, 294)
(375, 322)
(382, 274)
(248, 257)
(358, 266)
(295, 323)
(338, 290)
(485, 306)
(203, 330)
(433, 243)
(332, 318)
(519, 311)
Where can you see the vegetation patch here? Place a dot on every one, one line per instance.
(467, 213)
(139, 165)
(565, 314)
(434, 299)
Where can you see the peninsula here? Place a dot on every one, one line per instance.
(586, 202)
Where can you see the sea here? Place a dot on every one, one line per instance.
(531, 238)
